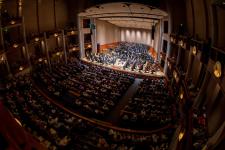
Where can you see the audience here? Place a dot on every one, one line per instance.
(199, 129)
(92, 90)
(151, 107)
(58, 129)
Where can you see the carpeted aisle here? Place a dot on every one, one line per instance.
(114, 116)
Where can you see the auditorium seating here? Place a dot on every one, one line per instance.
(200, 135)
(58, 129)
(92, 90)
(150, 107)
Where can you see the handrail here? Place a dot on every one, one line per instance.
(218, 49)
(101, 123)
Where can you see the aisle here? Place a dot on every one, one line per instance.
(114, 116)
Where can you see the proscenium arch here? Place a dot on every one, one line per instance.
(119, 14)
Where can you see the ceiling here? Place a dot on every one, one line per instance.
(122, 14)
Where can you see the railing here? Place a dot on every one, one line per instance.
(102, 123)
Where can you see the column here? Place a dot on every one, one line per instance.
(46, 51)
(178, 55)
(25, 42)
(7, 66)
(167, 56)
(81, 37)
(64, 45)
(199, 98)
(93, 36)
(190, 61)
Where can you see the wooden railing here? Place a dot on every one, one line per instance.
(102, 123)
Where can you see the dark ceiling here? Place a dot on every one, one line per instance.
(155, 3)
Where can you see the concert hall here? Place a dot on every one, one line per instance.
(112, 74)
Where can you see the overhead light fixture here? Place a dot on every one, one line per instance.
(21, 68)
(194, 50)
(12, 22)
(217, 69)
(15, 45)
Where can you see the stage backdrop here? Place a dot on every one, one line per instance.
(136, 35)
